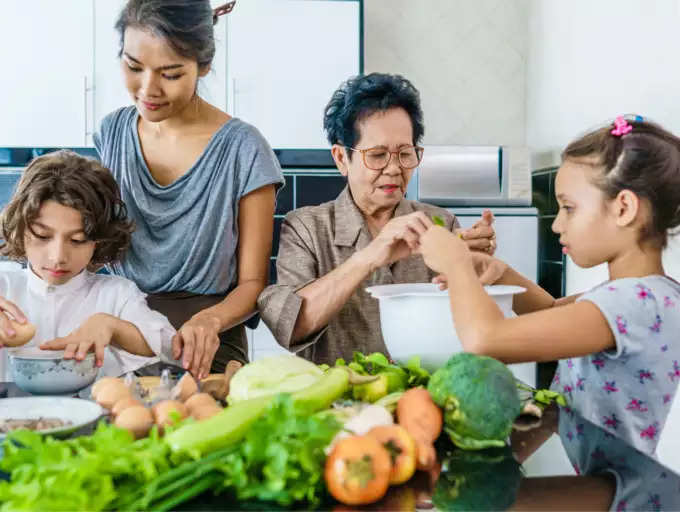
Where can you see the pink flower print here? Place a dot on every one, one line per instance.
(637, 405)
(654, 501)
(580, 384)
(668, 302)
(570, 364)
(579, 430)
(556, 378)
(621, 506)
(656, 326)
(644, 292)
(570, 436)
(621, 324)
(666, 398)
(644, 375)
(598, 362)
(576, 469)
(664, 348)
(650, 432)
(569, 411)
(610, 387)
(612, 422)
(675, 374)
(567, 389)
(611, 288)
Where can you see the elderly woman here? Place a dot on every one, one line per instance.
(367, 236)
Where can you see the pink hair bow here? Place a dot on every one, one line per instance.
(621, 127)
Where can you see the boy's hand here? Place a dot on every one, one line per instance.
(9, 310)
(441, 249)
(95, 333)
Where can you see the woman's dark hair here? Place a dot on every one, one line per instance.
(363, 95)
(187, 25)
(79, 183)
(645, 161)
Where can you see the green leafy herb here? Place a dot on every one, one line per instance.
(543, 397)
(400, 377)
(438, 221)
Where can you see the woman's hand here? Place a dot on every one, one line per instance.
(95, 333)
(197, 342)
(489, 270)
(481, 236)
(9, 310)
(398, 239)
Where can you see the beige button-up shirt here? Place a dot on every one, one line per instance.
(314, 241)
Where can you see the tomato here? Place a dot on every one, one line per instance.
(402, 449)
(358, 470)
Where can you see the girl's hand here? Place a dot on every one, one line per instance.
(197, 342)
(442, 250)
(489, 270)
(95, 333)
(9, 309)
(481, 236)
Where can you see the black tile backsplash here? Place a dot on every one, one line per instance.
(550, 264)
(314, 190)
(286, 197)
(277, 235)
(541, 193)
(549, 247)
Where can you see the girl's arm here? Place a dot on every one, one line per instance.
(546, 334)
(198, 339)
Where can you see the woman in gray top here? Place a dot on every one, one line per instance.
(199, 184)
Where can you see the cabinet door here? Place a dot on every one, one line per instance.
(110, 93)
(285, 58)
(48, 63)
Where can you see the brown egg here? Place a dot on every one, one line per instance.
(184, 388)
(199, 400)
(203, 412)
(124, 403)
(102, 383)
(23, 334)
(137, 419)
(161, 411)
(111, 392)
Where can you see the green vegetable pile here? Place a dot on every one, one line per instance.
(392, 377)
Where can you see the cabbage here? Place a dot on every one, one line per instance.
(272, 375)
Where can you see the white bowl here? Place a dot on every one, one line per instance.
(46, 372)
(416, 320)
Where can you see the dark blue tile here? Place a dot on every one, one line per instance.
(284, 199)
(272, 271)
(277, 236)
(549, 247)
(550, 278)
(314, 190)
(8, 181)
(540, 185)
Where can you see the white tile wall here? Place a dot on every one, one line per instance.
(467, 58)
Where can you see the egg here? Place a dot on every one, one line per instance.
(124, 403)
(102, 383)
(161, 411)
(137, 419)
(199, 400)
(185, 388)
(111, 392)
(203, 412)
(23, 334)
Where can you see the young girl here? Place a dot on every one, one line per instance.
(66, 219)
(618, 189)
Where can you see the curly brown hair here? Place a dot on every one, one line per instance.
(77, 182)
(645, 161)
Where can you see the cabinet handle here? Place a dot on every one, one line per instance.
(86, 110)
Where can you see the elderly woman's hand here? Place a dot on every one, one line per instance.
(397, 240)
(197, 342)
(481, 236)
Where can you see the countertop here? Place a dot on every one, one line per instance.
(493, 479)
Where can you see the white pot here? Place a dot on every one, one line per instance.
(416, 320)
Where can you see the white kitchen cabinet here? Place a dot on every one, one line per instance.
(48, 70)
(285, 58)
(110, 93)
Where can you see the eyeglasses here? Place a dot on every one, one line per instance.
(378, 158)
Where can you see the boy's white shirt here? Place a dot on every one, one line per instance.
(57, 310)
